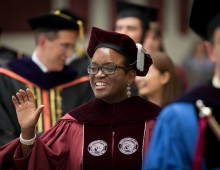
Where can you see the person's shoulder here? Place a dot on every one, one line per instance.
(17, 64)
(144, 103)
(68, 117)
(177, 107)
(3, 66)
(82, 109)
(185, 106)
(204, 92)
(197, 88)
(182, 111)
(5, 69)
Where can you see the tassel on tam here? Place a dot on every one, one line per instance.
(140, 57)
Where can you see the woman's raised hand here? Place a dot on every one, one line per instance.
(26, 109)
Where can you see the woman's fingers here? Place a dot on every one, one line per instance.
(20, 98)
(24, 95)
(15, 101)
(30, 95)
(39, 110)
(26, 109)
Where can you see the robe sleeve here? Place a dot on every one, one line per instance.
(148, 133)
(174, 139)
(58, 148)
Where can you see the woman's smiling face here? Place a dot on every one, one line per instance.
(151, 84)
(109, 88)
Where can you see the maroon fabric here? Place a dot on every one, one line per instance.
(133, 161)
(132, 109)
(113, 158)
(91, 134)
(126, 119)
(199, 154)
(6, 155)
(182, 76)
(61, 146)
(58, 148)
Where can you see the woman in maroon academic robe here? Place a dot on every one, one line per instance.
(111, 131)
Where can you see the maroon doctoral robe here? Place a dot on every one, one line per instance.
(95, 135)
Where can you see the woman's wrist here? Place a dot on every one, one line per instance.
(28, 133)
(29, 141)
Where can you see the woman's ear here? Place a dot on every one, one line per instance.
(209, 50)
(165, 77)
(131, 76)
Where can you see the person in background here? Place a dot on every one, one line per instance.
(153, 41)
(133, 20)
(186, 134)
(8, 54)
(53, 84)
(79, 60)
(154, 38)
(199, 69)
(109, 132)
(161, 85)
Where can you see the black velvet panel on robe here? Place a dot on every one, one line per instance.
(26, 68)
(211, 98)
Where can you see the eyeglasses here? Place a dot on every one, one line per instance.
(106, 69)
(66, 47)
